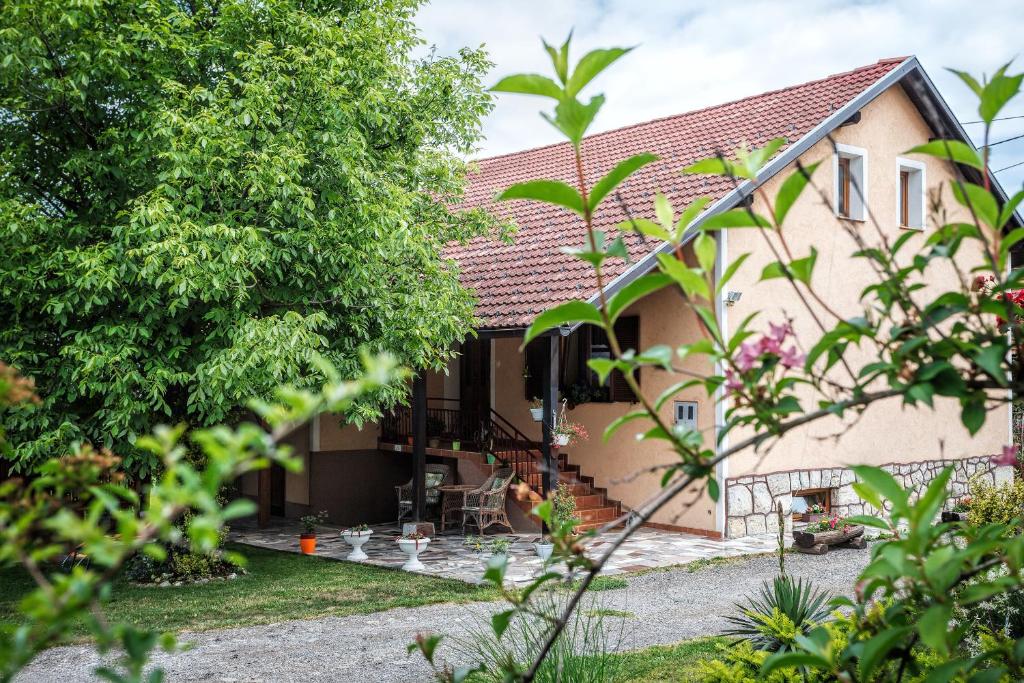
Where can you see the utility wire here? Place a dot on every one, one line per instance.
(1001, 118)
(1015, 137)
(1007, 168)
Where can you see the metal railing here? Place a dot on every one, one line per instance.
(482, 430)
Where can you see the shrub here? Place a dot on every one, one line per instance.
(784, 609)
(1001, 504)
(564, 509)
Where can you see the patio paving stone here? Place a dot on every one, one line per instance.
(447, 557)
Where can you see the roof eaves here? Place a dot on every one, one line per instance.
(744, 189)
(941, 118)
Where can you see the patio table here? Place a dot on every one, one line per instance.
(453, 499)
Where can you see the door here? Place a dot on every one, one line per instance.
(277, 490)
(474, 388)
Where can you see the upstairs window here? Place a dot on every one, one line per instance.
(910, 201)
(851, 191)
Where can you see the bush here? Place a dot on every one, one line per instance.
(1001, 504)
(784, 609)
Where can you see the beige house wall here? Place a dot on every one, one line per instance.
(337, 435)
(616, 465)
(888, 432)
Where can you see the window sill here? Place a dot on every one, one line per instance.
(911, 227)
(851, 220)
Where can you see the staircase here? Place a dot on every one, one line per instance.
(593, 507)
(486, 431)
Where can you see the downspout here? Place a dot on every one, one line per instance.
(722, 468)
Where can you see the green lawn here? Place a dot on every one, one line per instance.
(677, 663)
(279, 586)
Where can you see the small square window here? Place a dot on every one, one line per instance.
(851, 191)
(910, 201)
(686, 414)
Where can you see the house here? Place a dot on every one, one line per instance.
(872, 114)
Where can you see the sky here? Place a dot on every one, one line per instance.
(693, 54)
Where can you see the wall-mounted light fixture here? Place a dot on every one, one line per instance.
(732, 297)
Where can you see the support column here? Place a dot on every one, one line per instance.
(419, 447)
(549, 380)
(263, 498)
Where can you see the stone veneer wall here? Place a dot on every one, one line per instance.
(751, 500)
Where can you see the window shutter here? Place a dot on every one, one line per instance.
(627, 330)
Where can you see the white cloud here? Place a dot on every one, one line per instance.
(695, 54)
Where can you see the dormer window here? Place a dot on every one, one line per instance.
(910, 200)
(851, 190)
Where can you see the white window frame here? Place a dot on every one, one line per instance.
(916, 168)
(858, 157)
(681, 419)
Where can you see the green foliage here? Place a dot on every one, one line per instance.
(80, 507)
(199, 199)
(942, 317)
(1002, 504)
(564, 509)
(783, 609)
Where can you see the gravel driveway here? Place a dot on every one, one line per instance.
(664, 607)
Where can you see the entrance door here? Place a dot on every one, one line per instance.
(277, 490)
(475, 387)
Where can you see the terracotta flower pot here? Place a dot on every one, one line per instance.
(307, 542)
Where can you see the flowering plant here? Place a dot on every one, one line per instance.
(358, 529)
(835, 523)
(963, 505)
(763, 361)
(310, 522)
(565, 427)
(816, 509)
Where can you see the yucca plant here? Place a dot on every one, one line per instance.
(783, 608)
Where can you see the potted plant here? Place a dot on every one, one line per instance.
(537, 409)
(412, 544)
(357, 536)
(818, 537)
(435, 426)
(307, 540)
(487, 550)
(815, 513)
(565, 431)
(563, 513)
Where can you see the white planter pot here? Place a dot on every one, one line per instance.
(356, 540)
(412, 548)
(485, 559)
(544, 550)
(561, 440)
(537, 413)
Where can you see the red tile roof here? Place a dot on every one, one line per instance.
(514, 282)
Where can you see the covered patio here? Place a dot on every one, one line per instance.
(447, 557)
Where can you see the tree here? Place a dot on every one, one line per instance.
(197, 197)
(960, 340)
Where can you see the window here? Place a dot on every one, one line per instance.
(910, 200)
(627, 331)
(851, 191)
(686, 414)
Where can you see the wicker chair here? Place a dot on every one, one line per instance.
(485, 506)
(435, 475)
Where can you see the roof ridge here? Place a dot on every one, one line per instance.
(886, 60)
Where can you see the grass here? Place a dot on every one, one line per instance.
(279, 586)
(677, 663)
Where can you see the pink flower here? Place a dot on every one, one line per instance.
(1009, 456)
(780, 332)
(747, 357)
(791, 358)
(770, 345)
(732, 382)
